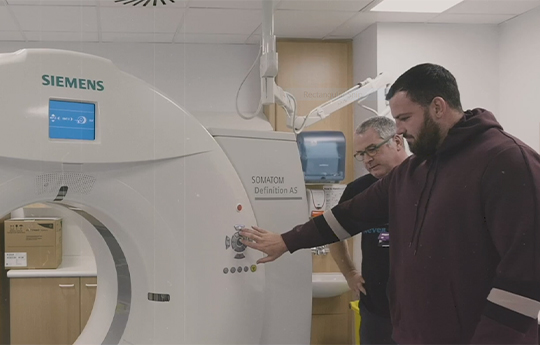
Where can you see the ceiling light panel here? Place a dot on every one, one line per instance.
(416, 6)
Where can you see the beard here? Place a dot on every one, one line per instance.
(428, 139)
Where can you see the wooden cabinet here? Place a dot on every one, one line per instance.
(49, 310)
(88, 296)
(331, 321)
(332, 329)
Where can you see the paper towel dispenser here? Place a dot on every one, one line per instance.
(323, 156)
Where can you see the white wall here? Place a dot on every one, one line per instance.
(496, 66)
(519, 73)
(469, 52)
(364, 66)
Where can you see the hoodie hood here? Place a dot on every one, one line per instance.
(471, 125)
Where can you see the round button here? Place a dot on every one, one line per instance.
(246, 268)
(233, 269)
(236, 244)
(239, 269)
(225, 270)
(253, 268)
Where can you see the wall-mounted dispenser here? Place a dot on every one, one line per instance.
(316, 202)
(323, 156)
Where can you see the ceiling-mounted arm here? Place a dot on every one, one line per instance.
(357, 93)
(270, 92)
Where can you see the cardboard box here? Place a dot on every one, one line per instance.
(32, 243)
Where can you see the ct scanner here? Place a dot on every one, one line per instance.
(165, 197)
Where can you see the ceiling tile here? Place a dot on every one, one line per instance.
(340, 37)
(135, 19)
(137, 37)
(141, 3)
(211, 38)
(47, 36)
(208, 21)
(494, 6)
(7, 23)
(324, 5)
(56, 18)
(454, 18)
(11, 36)
(238, 4)
(53, 2)
(352, 27)
(308, 24)
(363, 20)
(394, 17)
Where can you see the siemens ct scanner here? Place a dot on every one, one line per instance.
(165, 197)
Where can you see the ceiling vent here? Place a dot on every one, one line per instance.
(144, 2)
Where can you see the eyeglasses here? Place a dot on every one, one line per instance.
(370, 150)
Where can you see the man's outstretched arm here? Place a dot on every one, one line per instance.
(364, 211)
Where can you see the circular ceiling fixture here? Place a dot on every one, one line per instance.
(144, 2)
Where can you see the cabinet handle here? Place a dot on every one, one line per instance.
(66, 285)
(91, 285)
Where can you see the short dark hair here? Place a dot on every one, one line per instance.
(426, 81)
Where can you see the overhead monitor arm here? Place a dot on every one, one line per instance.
(271, 93)
(357, 93)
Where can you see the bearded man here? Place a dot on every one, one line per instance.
(464, 214)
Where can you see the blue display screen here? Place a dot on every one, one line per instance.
(72, 120)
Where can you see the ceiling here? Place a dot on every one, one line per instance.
(220, 21)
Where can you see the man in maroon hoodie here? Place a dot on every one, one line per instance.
(465, 217)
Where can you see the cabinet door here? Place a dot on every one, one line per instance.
(45, 310)
(330, 329)
(88, 296)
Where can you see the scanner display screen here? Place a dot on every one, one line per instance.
(72, 120)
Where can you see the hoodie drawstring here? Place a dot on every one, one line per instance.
(415, 238)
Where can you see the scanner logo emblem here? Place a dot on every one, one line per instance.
(72, 83)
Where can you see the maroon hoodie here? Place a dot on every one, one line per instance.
(464, 237)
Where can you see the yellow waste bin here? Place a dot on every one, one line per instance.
(357, 320)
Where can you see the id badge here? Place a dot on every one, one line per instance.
(384, 239)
